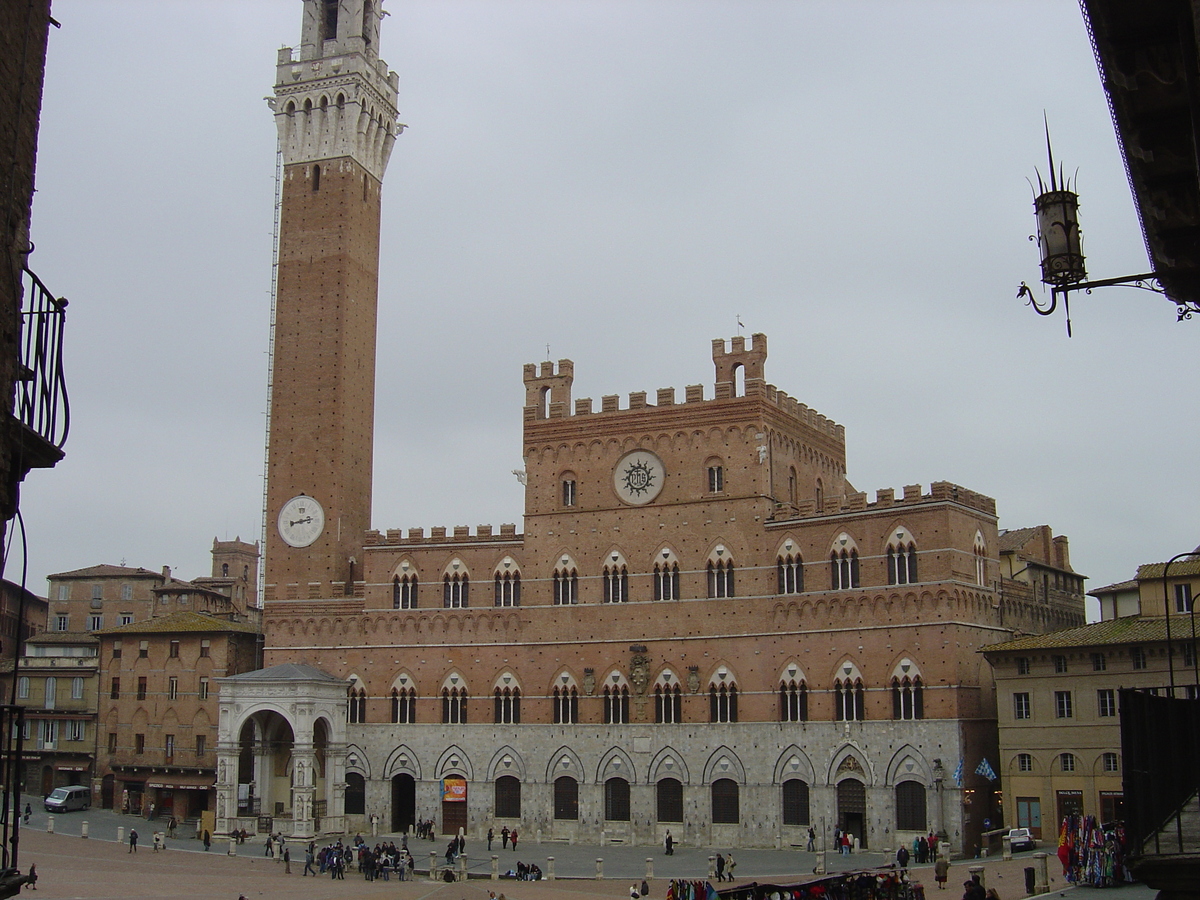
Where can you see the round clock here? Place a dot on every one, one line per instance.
(301, 521)
(638, 477)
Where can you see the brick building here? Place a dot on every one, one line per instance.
(702, 626)
(157, 709)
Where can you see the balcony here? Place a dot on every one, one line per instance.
(41, 414)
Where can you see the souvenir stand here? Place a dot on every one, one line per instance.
(1092, 854)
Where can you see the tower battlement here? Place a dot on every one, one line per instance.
(336, 97)
(548, 391)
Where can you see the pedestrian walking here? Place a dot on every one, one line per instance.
(28, 813)
(513, 837)
(308, 862)
(720, 867)
(133, 840)
(941, 869)
(287, 861)
(207, 840)
(669, 844)
(491, 837)
(504, 838)
(171, 825)
(157, 842)
(730, 865)
(812, 840)
(31, 878)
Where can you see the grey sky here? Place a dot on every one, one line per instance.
(618, 180)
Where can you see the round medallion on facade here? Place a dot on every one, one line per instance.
(638, 477)
(301, 521)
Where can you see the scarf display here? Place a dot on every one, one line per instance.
(1092, 854)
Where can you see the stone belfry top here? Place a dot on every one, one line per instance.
(335, 97)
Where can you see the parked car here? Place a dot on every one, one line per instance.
(66, 799)
(1021, 839)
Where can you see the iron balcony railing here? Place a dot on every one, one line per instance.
(41, 389)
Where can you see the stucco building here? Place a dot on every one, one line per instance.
(702, 625)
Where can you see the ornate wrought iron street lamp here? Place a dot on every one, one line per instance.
(1060, 243)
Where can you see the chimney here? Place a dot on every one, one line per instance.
(166, 573)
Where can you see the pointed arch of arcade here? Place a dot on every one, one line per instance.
(564, 761)
(668, 763)
(909, 764)
(724, 762)
(507, 761)
(402, 761)
(866, 771)
(455, 761)
(616, 763)
(358, 761)
(793, 762)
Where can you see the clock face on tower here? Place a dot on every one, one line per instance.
(638, 477)
(301, 521)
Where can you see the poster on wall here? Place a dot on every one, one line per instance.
(454, 790)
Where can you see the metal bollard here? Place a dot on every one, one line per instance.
(495, 867)
(649, 868)
(1042, 878)
(599, 868)
(549, 868)
(84, 832)
(433, 865)
(49, 824)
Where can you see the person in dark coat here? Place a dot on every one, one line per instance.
(504, 838)
(902, 858)
(133, 840)
(720, 867)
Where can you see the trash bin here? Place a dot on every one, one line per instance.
(1029, 879)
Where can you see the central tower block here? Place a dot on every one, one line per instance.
(335, 109)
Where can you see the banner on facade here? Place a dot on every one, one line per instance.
(454, 790)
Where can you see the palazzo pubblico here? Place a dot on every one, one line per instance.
(702, 626)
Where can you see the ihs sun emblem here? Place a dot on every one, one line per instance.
(639, 478)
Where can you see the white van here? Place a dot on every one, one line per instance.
(66, 799)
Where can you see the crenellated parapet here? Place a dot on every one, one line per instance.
(335, 97)
(438, 536)
(548, 391)
(885, 498)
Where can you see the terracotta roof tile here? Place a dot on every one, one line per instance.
(182, 622)
(1125, 630)
(102, 571)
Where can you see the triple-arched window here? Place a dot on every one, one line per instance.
(404, 706)
(722, 702)
(668, 700)
(666, 581)
(404, 591)
(789, 570)
(565, 699)
(454, 705)
(508, 589)
(507, 703)
(616, 702)
(616, 584)
(456, 590)
(356, 711)
(843, 566)
(848, 699)
(793, 700)
(908, 701)
(901, 559)
(720, 578)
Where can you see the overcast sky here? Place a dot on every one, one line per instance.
(619, 180)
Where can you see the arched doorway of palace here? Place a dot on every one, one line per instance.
(404, 803)
(852, 809)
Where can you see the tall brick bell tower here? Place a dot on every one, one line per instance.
(335, 108)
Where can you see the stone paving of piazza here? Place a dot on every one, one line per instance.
(99, 868)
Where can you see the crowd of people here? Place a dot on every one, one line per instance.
(381, 862)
